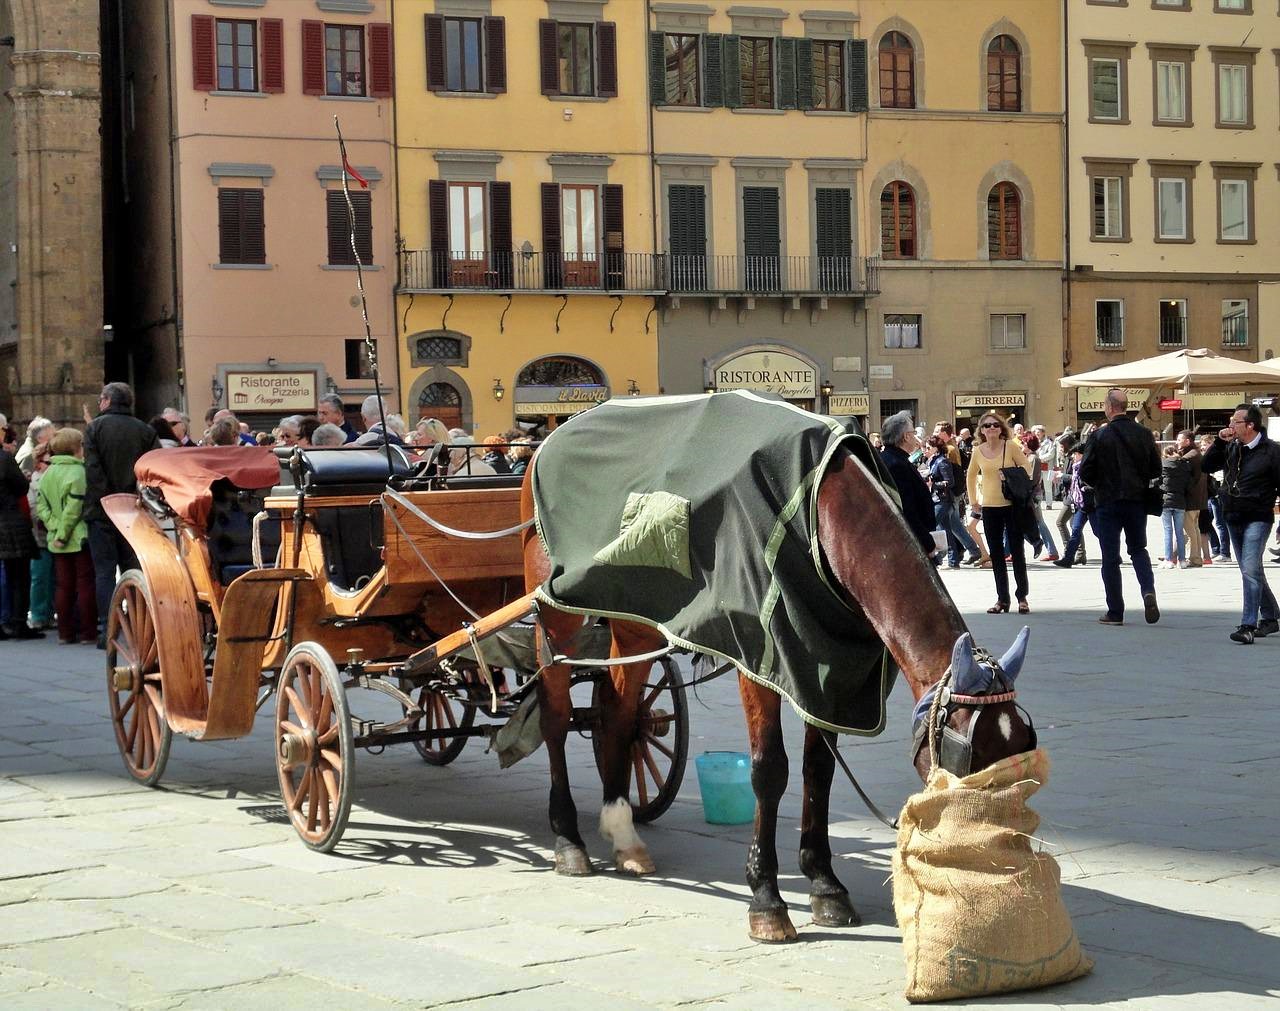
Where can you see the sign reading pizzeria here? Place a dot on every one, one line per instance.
(272, 391)
(849, 403)
(772, 371)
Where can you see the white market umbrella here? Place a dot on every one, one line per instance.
(1192, 369)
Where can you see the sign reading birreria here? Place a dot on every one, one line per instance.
(991, 400)
(777, 372)
(540, 401)
(849, 403)
(271, 391)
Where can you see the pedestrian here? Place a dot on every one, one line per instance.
(1219, 539)
(942, 489)
(1039, 500)
(1175, 481)
(38, 434)
(165, 433)
(1120, 463)
(180, 424)
(307, 429)
(495, 454)
(41, 605)
(1250, 465)
(900, 441)
(61, 508)
(1078, 498)
(372, 411)
(1197, 500)
(331, 411)
(113, 442)
(521, 454)
(988, 501)
(328, 436)
(17, 542)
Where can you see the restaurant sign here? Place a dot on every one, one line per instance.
(271, 391)
(541, 401)
(1094, 398)
(983, 400)
(849, 403)
(770, 371)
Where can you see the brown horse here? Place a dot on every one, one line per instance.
(876, 560)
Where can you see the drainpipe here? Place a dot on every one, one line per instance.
(1066, 185)
(178, 349)
(654, 199)
(398, 244)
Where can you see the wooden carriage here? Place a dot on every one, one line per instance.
(305, 576)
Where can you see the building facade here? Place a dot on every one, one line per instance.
(242, 279)
(527, 271)
(1172, 170)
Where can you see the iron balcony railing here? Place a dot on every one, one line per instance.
(1235, 332)
(1173, 331)
(425, 270)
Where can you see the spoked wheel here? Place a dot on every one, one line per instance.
(661, 745)
(314, 746)
(442, 713)
(133, 681)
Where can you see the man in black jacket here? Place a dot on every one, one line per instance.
(1120, 462)
(112, 444)
(900, 441)
(1250, 465)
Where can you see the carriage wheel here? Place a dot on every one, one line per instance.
(440, 713)
(314, 746)
(661, 745)
(133, 681)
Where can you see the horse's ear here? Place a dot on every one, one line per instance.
(1011, 662)
(967, 677)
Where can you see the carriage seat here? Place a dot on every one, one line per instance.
(342, 470)
(230, 533)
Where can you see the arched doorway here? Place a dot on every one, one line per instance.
(551, 390)
(441, 401)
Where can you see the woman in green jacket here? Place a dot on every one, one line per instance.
(60, 506)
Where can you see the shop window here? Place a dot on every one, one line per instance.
(902, 330)
(1173, 322)
(1008, 332)
(1004, 75)
(1109, 323)
(1235, 322)
(897, 72)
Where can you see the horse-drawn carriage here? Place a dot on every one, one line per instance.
(303, 577)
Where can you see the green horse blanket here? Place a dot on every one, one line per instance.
(698, 516)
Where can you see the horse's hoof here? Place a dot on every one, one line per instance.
(773, 926)
(573, 862)
(635, 861)
(834, 911)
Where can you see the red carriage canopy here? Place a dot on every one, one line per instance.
(185, 476)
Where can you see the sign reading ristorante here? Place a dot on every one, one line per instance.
(271, 391)
(777, 372)
(540, 401)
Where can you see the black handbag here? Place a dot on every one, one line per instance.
(1016, 484)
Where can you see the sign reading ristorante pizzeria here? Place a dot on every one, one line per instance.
(271, 391)
(777, 372)
(538, 401)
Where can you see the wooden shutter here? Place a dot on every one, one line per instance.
(712, 70)
(313, 57)
(552, 261)
(272, 56)
(760, 231)
(204, 57)
(732, 71)
(857, 97)
(500, 233)
(834, 222)
(228, 226)
(607, 59)
(786, 73)
(548, 57)
(339, 225)
(615, 259)
(382, 62)
(253, 238)
(657, 68)
(804, 73)
(687, 232)
(435, 53)
(495, 55)
(438, 230)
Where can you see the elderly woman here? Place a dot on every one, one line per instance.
(328, 436)
(900, 442)
(466, 458)
(521, 454)
(38, 434)
(996, 450)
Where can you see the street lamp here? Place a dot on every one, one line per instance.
(499, 391)
(215, 388)
(633, 388)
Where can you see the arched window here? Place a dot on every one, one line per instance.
(1004, 222)
(560, 370)
(898, 222)
(1004, 75)
(442, 401)
(897, 72)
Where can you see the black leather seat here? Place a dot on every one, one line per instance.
(342, 470)
(230, 534)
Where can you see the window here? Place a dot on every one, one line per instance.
(761, 237)
(357, 359)
(682, 78)
(1008, 332)
(1233, 6)
(574, 56)
(1174, 4)
(833, 234)
(897, 72)
(902, 329)
(344, 60)
(462, 56)
(1233, 210)
(1171, 92)
(1004, 222)
(898, 222)
(687, 228)
(241, 227)
(1004, 75)
(755, 59)
(1110, 323)
(888, 408)
(237, 55)
(439, 350)
(1173, 322)
(1233, 94)
(579, 235)
(339, 221)
(1235, 322)
(465, 55)
(1104, 89)
(466, 232)
(441, 401)
(1171, 210)
(1108, 207)
(828, 75)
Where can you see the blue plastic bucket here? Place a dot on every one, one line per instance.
(724, 779)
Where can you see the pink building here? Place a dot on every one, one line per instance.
(233, 245)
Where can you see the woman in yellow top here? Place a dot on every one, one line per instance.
(986, 494)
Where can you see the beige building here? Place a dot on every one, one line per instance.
(1172, 172)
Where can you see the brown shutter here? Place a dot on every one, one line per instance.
(552, 263)
(438, 230)
(500, 232)
(253, 239)
(204, 57)
(272, 56)
(228, 226)
(615, 260)
(495, 55)
(548, 57)
(435, 53)
(607, 59)
(337, 225)
(382, 69)
(313, 57)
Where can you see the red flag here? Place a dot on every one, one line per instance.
(346, 167)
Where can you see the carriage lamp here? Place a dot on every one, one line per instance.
(215, 388)
(826, 388)
(499, 391)
(633, 388)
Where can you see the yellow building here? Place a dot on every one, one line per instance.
(527, 272)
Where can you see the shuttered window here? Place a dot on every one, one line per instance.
(241, 227)
(1004, 222)
(761, 237)
(344, 60)
(828, 75)
(466, 55)
(897, 72)
(898, 222)
(237, 55)
(204, 57)
(680, 69)
(272, 55)
(755, 69)
(833, 227)
(713, 75)
(687, 230)
(858, 75)
(578, 59)
(339, 222)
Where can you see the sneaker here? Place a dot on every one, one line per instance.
(1222, 558)
(1110, 619)
(1165, 565)
(1049, 558)
(1243, 635)
(1063, 563)
(1207, 560)
(1185, 565)
(972, 559)
(1266, 627)
(1149, 608)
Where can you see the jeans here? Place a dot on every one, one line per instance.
(1000, 523)
(1111, 519)
(1172, 520)
(1045, 535)
(947, 518)
(109, 551)
(1074, 543)
(1249, 539)
(1220, 522)
(42, 589)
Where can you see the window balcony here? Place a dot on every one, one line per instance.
(1110, 332)
(773, 275)
(1235, 332)
(1173, 331)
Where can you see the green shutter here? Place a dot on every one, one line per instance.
(834, 222)
(786, 73)
(858, 75)
(712, 73)
(804, 73)
(732, 72)
(657, 69)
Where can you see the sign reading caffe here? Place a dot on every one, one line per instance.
(770, 371)
(292, 392)
(1094, 398)
(541, 401)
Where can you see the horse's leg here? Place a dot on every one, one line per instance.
(767, 916)
(828, 898)
(620, 703)
(555, 710)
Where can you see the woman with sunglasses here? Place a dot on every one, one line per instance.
(986, 493)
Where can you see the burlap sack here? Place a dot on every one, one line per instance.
(981, 912)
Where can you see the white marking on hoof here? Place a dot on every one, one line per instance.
(1005, 725)
(630, 852)
(634, 861)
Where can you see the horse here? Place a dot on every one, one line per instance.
(876, 561)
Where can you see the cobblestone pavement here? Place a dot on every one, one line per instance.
(198, 896)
